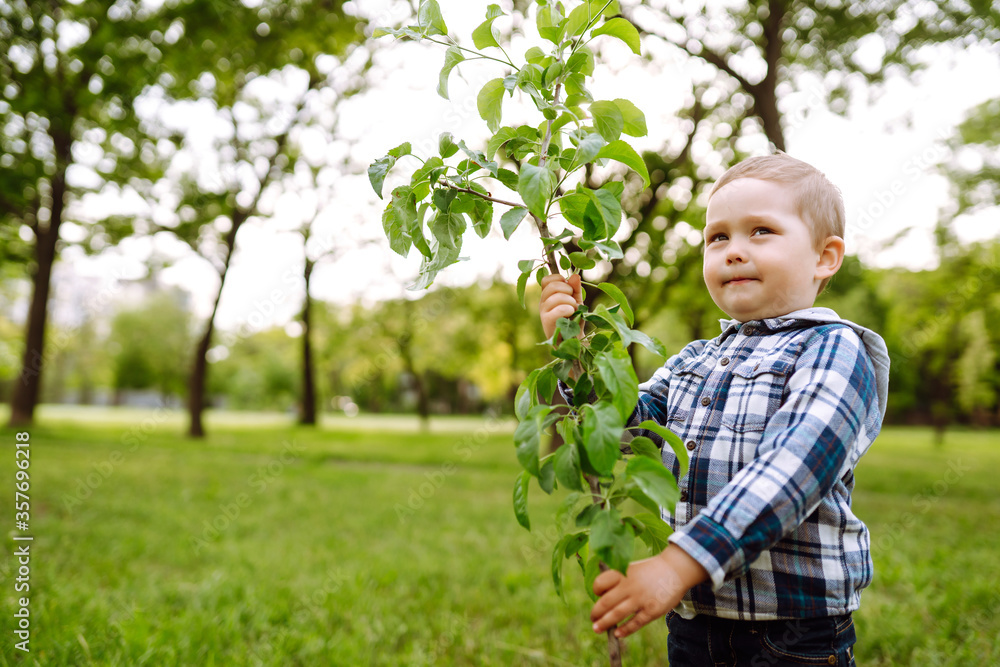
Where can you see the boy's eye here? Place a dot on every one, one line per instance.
(717, 237)
(762, 230)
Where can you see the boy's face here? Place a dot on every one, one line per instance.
(760, 257)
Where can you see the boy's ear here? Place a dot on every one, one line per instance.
(831, 256)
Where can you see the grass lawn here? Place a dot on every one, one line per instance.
(371, 543)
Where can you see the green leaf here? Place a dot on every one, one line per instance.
(483, 36)
(581, 261)
(582, 61)
(567, 466)
(490, 103)
(511, 219)
(643, 446)
(618, 376)
(590, 572)
(448, 228)
(377, 172)
(640, 497)
(429, 268)
(565, 547)
(446, 145)
(521, 500)
(654, 480)
(477, 160)
(670, 438)
(634, 119)
(602, 433)
(603, 214)
(443, 197)
(622, 152)
(508, 178)
(611, 249)
(522, 284)
(569, 349)
(586, 516)
(425, 176)
(503, 135)
(574, 208)
(452, 57)
(623, 30)
(547, 477)
(534, 55)
(550, 21)
(417, 232)
(607, 119)
(627, 335)
(657, 533)
(589, 148)
(578, 19)
(403, 149)
(619, 297)
(429, 18)
(546, 384)
(528, 436)
(478, 209)
(567, 328)
(525, 399)
(535, 185)
(612, 540)
(399, 218)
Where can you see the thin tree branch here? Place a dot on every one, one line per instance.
(705, 54)
(482, 196)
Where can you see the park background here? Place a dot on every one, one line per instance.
(251, 445)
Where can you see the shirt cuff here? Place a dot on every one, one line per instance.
(566, 391)
(711, 545)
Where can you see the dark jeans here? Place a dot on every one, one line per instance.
(708, 641)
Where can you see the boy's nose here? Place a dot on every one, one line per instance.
(735, 254)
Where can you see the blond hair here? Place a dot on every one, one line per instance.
(817, 200)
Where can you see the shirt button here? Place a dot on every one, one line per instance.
(684, 496)
(749, 331)
(832, 660)
(690, 445)
(706, 400)
(725, 361)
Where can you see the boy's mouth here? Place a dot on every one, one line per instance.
(739, 281)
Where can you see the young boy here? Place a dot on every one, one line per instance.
(767, 560)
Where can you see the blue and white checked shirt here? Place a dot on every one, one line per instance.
(775, 415)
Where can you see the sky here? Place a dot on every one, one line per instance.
(882, 154)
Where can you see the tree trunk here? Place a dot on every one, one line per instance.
(199, 369)
(307, 405)
(28, 385)
(765, 93)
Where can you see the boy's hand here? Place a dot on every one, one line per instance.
(560, 297)
(652, 588)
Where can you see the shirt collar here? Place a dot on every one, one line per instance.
(770, 325)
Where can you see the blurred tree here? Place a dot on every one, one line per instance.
(257, 373)
(259, 72)
(974, 168)
(942, 332)
(69, 73)
(148, 344)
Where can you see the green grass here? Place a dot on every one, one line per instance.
(371, 543)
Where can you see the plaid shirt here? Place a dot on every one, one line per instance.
(775, 415)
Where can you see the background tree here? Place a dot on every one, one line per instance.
(69, 73)
(148, 342)
(258, 79)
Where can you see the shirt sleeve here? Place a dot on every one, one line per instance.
(804, 450)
